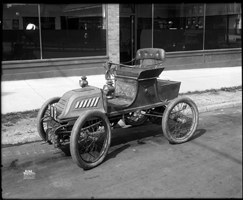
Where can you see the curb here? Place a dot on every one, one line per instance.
(214, 107)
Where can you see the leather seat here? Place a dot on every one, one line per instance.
(150, 57)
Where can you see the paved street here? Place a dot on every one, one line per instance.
(141, 164)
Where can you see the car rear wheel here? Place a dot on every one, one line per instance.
(180, 120)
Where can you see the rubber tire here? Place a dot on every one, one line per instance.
(75, 134)
(165, 118)
(40, 115)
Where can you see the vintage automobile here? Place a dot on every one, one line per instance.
(80, 122)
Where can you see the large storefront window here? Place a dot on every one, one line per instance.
(178, 27)
(73, 30)
(197, 26)
(144, 26)
(223, 26)
(42, 31)
(20, 33)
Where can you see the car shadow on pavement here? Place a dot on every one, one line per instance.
(135, 134)
(124, 138)
(114, 153)
(198, 133)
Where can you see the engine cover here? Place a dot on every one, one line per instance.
(75, 101)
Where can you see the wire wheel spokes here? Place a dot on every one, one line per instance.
(92, 139)
(44, 120)
(47, 120)
(181, 120)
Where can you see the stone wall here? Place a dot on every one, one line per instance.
(113, 32)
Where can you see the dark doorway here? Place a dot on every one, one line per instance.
(127, 32)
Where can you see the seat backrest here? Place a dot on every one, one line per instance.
(150, 57)
(150, 53)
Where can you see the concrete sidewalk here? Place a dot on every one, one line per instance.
(26, 95)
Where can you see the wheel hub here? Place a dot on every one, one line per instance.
(181, 120)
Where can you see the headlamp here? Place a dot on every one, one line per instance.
(109, 89)
(106, 89)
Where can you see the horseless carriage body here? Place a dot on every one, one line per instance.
(80, 121)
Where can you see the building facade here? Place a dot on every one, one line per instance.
(50, 40)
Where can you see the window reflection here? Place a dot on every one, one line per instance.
(178, 27)
(78, 30)
(144, 27)
(223, 26)
(73, 30)
(20, 42)
(67, 30)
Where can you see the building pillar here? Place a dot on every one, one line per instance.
(113, 32)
